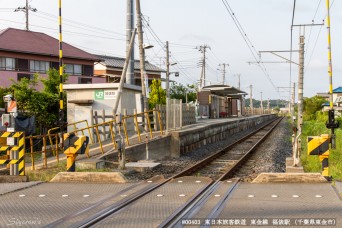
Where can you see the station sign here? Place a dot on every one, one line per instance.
(105, 94)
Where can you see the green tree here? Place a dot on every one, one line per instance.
(311, 106)
(51, 83)
(43, 105)
(179, 91)
(157, 94)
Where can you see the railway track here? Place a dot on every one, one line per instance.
(219, 167)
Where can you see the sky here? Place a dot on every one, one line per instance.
(99, 27)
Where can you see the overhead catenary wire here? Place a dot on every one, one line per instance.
(248, 42)
(316, 41)
(161, 44)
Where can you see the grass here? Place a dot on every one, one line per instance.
(312, 163)
(46, 174)
(49, 173)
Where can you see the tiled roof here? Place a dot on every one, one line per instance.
(338, 90)
(117, 62)
(23, 41)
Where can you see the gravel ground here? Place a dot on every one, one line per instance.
(275, 150)
(271, 156)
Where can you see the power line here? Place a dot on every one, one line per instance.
(161, 44)
(248, 42)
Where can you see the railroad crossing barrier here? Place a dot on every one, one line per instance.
(15, 150)
(319, 145)
(74, 145)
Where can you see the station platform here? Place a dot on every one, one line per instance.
(245, 204)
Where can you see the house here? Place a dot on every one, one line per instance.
(24, 53)
(111, 68)
(337, 99)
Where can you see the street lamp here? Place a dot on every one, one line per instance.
(147, 46)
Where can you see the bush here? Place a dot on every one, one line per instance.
(312, 163)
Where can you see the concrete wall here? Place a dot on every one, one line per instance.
(182, 142)
(186, 141)
(80, 92)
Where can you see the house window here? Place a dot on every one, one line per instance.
(23, 65)
(7, 63)
(88, 70)
(73, 69)
(55, 65)
(84, 80)
(39, 66)
(28, 76)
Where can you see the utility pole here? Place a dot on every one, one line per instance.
(167, 86)
(300, 83)
(251, 99)
(268, 105)
(26, 9)
(224, 72)
(261, 105)
(167, 70)
(143, 75)
(239, 77)
(129, 31)
(293, 97)
(124, 73)
(203, 49)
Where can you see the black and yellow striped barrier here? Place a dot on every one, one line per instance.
(320, 145)
(17, 144)
(74, 145)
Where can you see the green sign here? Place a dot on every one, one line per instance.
(99, 94)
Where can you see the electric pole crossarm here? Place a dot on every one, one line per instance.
(284, 58)
(303, 25)
(274, 53)
(268, 62)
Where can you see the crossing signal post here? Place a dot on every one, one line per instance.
(321, 145)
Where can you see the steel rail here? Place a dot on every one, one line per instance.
(189, 210)
(116, 207)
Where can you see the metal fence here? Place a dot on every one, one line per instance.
(256, 111)
(177, 115)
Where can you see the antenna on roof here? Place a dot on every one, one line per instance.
(26, 9)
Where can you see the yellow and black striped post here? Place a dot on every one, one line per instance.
(331, 124)
(320, 145)
(61, 102)
(19, 139)
(329, 56)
